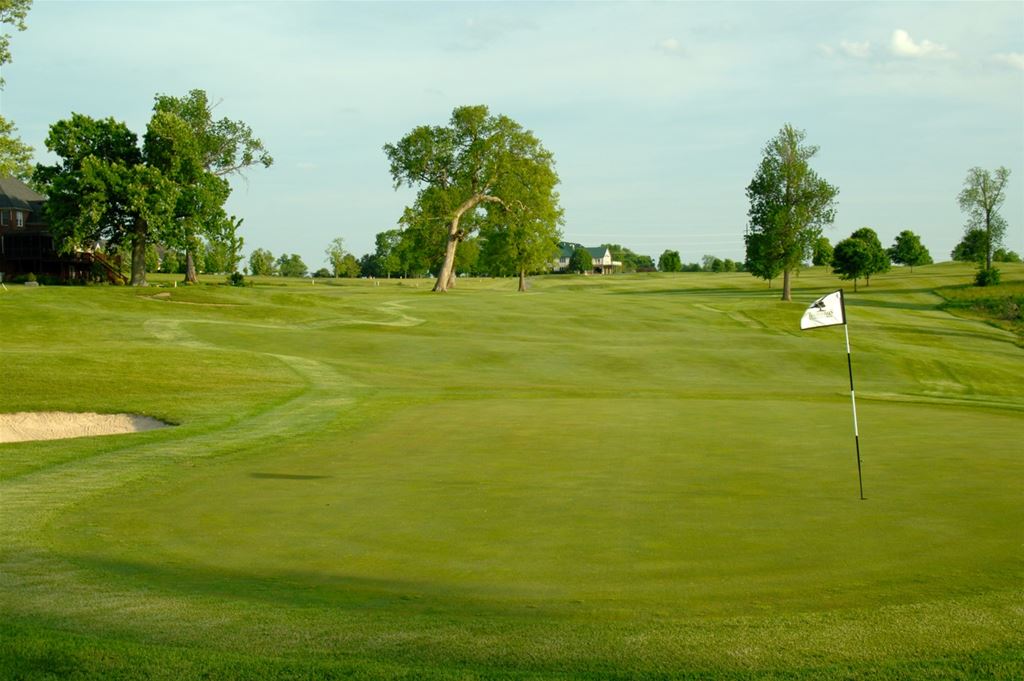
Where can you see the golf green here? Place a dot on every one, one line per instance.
(628, 476)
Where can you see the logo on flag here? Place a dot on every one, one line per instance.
(825, 311)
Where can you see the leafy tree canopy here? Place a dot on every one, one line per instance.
(15, 155)
(102, 189)
(1005, 255)
(261, 262)
(789, 205)
(669, 261)
(198, 153)
(908, 250)
(972, 248)
(852, 259)
(478, 159)
(821, 253)
(631, 262)
(981, 197)
(581, 261)
(336, 253)
(291, 266)
(12, 13)
(879, 256)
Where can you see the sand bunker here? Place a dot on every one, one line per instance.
(58, 425)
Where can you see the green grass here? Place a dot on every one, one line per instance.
(646, 476)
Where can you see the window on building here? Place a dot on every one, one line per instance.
(20, 217)
(3, 216)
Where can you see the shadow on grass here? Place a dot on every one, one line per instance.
(703, 292)
(888, 304)
(312, 589)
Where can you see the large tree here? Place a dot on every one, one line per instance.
(523, 238)
(102, 190)
(523, 243)
(336, 253)
(821, 252)
(879, 256)
(15, 155)
(262, 263)
(199, 153)
(669, 261)
(981, 197)
(764, 259)
(852, 259)
(12, 13)
(789, 205)
(291, 265)
(475, 160)
(581, 261)
(387, 255)
(908, 250)
(972, 248)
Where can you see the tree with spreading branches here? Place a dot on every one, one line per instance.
(478, 162)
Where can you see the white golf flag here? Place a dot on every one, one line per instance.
(825, 311)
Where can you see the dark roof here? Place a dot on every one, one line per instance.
(16, 194)
(567, 247)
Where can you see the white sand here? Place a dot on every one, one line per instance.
(57, 425)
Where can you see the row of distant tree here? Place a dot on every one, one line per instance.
(399, 253)
(486, 204)
(857, 257)
(790, 204)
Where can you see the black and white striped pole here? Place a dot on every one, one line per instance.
(853, 403)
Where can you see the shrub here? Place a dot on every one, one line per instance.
(30, 276)
(987, 277)
(236, 279)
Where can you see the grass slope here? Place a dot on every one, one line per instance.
(633, 476)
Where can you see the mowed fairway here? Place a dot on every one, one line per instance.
(647, 476)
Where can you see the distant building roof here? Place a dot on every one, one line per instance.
(16, 194)
(566, 248)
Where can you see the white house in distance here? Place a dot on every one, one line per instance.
(600, 256)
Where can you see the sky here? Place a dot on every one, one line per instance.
(656, 113)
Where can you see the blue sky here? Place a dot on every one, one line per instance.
(656, 112)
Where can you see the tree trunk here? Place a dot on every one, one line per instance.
(988, 240)
(787, 293)
(190, 268)
(139, 254)
(446, 277)
(445, 274)
(522, 281)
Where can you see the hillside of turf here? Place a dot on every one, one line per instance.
(646, 476)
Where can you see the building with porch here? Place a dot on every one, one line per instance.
(27, 247)
(599, 255)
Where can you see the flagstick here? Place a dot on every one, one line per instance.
(853, 401)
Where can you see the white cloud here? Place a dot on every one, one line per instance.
(1014, 60)
(670, 46)
(855, 49)
(902, 45)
